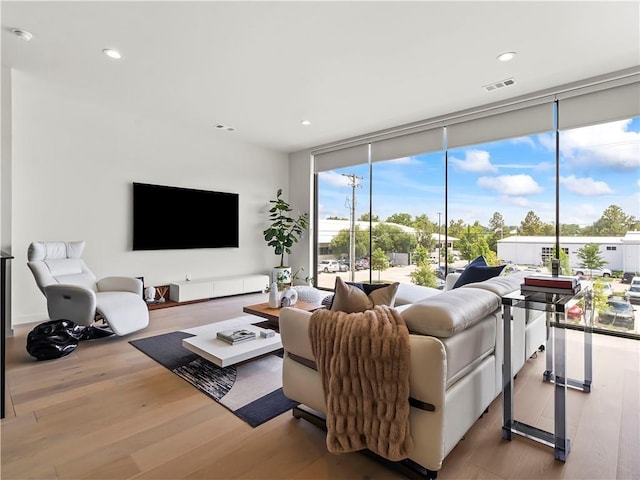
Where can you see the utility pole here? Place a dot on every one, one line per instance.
(353, 183)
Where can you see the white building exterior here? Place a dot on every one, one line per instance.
(619, 253)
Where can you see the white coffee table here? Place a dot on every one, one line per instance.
(206, 345)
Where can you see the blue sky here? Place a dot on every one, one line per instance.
(599, 166)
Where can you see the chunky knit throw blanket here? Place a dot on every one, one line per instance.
(363, 361)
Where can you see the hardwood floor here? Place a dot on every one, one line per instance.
(108, 411)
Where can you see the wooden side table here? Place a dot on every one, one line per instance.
(273, 314)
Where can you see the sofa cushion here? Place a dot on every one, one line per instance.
(411, 293)
(352, 298)
(450, 312)
(478, 271)
(501, 285)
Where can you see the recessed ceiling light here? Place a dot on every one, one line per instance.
(111, 53)
(506, 56)
(305, 122)
(22, 34)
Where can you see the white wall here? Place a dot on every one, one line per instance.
(73, 165)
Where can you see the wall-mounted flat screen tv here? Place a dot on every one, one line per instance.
(167, 218)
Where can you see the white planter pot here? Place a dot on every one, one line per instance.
(283, 272)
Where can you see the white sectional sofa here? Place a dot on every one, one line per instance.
(456, 353)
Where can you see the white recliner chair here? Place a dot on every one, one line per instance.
(73, 292)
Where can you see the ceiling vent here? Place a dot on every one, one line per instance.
(498, 85)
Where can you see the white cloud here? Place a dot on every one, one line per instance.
(403, 161)
(608, 145)
(475, 161)
(544, 166)
(585, 186)
(523, 140)
(334, 179)
(518, 201)
(511, 185)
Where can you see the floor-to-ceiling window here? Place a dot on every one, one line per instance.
(517, 184)
(408, 183)
(600, 202)
(342, 215)
(501, 185)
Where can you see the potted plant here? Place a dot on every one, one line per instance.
(284, 231)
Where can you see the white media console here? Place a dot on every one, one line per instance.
(203, 288)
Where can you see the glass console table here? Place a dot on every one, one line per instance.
(556, 306)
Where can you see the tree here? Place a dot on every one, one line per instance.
(366, 216)
(473, 243)
(531, 225)
(590, 257)
(391, 238)
(340, 243)
(423, 274)
(496, 223)
(614, 222)
(497, 229)
(400, 219)
(337, 218)
(565, 268)
(457, 228)
(548, 229)
(424, 228)
(421, 255)
(570, 229)
(379, 261)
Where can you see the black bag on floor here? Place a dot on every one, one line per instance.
(53, 339)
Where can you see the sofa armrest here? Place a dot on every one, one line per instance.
(120, 284)
(71, 302)
(294, 332)
(451, 280)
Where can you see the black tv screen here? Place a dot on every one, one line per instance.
(166, 218)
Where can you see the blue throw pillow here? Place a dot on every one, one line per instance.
(478, 271)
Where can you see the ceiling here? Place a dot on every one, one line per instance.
(350, 68)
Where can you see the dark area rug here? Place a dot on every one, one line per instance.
(251, 390)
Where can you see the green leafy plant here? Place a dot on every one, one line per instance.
(285, 230)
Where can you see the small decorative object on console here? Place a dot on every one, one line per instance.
(273, 295)
(289, 297)
(150, 294)
(266, 333)
(236, 336)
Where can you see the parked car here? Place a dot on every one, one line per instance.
(328, 266)
(440, 271)
(628, 276)
(575, 312)
(592, 272)
(344, 265)
(633, 294)
(510, 268)
(362, 264)
(605, 287)
(618, 313)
